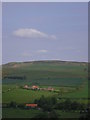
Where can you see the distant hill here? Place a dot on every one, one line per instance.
(52, 72)
(45, 61)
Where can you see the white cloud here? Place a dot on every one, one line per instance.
(32, 33)
(42, 51)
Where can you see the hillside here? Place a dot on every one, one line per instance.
(53, 72)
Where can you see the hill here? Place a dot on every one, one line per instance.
(52, 72)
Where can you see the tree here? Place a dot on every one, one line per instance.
(54, 100)
(75, 105)
(36, 101)
(13, 104)
(67, 104)
(47, 107)
(22, 106)
(60, 92)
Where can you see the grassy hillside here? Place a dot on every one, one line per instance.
(68, 78)
(21, 95)
(46, 73)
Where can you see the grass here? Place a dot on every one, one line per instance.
(23, 96)
(79, 93)
(19, 113)
(66, 77)
(46, 73)
(68, 114)
(51, 81)
(20, 95)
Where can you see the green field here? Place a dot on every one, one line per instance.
(81, 93)
(68, 78)
(23, 96)
(33, 112)
(68, 114)
(19, 113)
(20, 95)
(71, 77)
(46, 73)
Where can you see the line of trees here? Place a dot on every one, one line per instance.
(47, 104)
(50, 105)
(15, 77)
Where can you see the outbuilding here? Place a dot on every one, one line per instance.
(31, 105)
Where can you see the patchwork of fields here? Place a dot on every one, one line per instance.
(46, 73)
(20, 95)
(70, 79)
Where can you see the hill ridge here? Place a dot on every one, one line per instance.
(44, 61)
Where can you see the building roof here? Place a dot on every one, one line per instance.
(25, 86)
(35, 86)
(31, 105)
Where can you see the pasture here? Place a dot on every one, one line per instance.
(79, 93)
(21, 113)
(20, 95)
(56, 73)
(68, 78)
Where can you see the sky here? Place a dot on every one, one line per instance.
(44, 31)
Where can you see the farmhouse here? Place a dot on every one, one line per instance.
(31, 105)
(35, 87)
(50, 89)
(26, 86)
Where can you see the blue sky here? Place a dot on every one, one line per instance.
(45, 31)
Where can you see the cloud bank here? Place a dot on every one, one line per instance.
(32, 33)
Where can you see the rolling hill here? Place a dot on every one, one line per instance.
(58, 73)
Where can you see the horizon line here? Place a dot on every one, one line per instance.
(44, 60)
